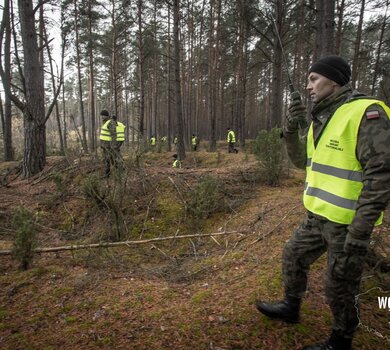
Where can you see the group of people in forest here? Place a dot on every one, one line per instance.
(112, 135)
(346, 155)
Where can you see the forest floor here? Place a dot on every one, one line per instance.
(196, 293)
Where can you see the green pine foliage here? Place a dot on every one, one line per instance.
(269, 149)
(25, 238)
(206, 198)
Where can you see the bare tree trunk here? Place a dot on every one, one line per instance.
(179, 116)
(340, 22)
(63, 43)
(198, 91)
(5, 32)
(379, 51)
(356, 54)
(325, 28)
(141, 72)
(155, 74)
(239, 107)
(169, 92)
(34, 109)
(92, 131)
(80, 85)
(276, 97)
(215, 15)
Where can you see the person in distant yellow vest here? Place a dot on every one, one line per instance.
(347, 160)
(153, 142)
(231, 141)
(176, 162)
(194, 142)
(107, 133)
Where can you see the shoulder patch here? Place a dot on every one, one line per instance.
(372, 115)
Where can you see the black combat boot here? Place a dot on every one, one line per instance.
(286, 310)
(335, 342)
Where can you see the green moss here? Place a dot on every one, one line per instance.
(62, 291)
(3, 314)
(70, 319)
(104, 341)
(301, 328)
(201, 296)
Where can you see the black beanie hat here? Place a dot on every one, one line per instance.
(334, 68)
(104, 113)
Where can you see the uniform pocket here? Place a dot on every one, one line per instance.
(348, 267)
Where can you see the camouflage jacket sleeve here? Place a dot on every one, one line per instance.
(373, 152)
(296, 147)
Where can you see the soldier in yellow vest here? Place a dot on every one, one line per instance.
(231, 141)
(176, 162)
(194, 142)
(153, 142)
(107, 132)
(347, 161)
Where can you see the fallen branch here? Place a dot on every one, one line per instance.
(124, 243)
(275, 227)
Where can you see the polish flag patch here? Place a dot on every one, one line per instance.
(372, 115)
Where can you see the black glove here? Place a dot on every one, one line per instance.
(356, 244)
(296, 117)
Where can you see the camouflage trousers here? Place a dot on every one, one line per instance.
(108, 159)
(312, 239)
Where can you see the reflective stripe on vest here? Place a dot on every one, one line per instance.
(333, 173)
(231, 137)
(120, 131)
(105, 133)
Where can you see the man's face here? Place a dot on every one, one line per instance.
(320, 87)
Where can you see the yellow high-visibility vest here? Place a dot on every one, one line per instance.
(176, 163)
(231, 137)
(193, 141)
(105, 133)
(153, 141)
(120, 131)
(333, 173)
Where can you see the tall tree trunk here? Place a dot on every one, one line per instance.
(379, 51)
(155, 74)
(92, 131)
(199, 62)
(325, 25)
(276, 97)
(356, 53)
(79, 78)
(215, 15)
(63, 43)
(34, 110)
(239, 109)
(141, 72)
(179, 111)
(340, 22)
(5, 32)
(169, 88)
